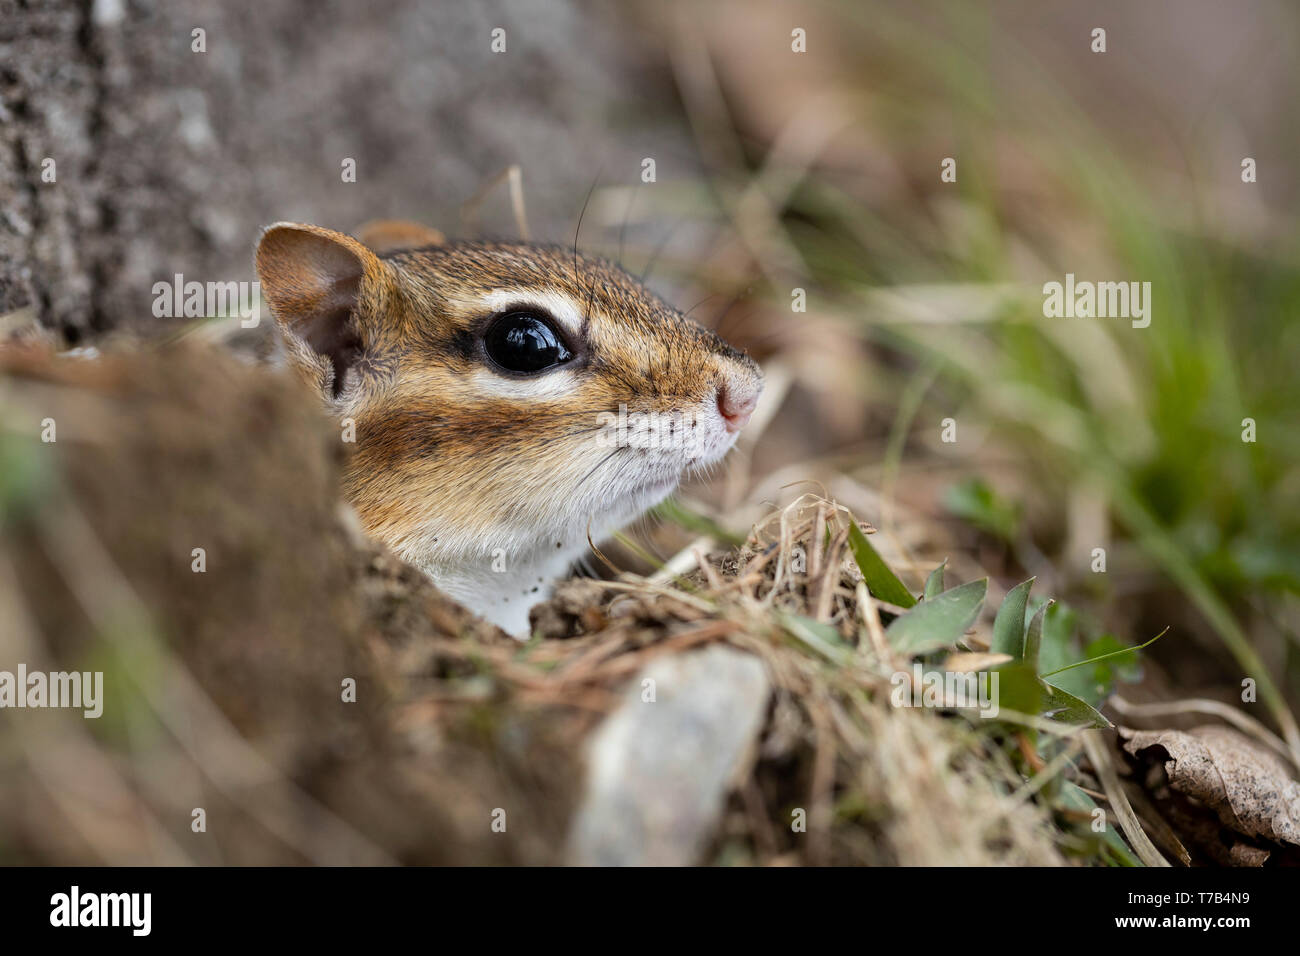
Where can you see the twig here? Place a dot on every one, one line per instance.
(1099, 755)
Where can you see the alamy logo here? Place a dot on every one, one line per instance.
(75, 908)
(945, 690)
(1098, 300)
(202, 300)
(53, 689)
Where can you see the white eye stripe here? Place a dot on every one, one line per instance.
(565, 310)
(549, 385)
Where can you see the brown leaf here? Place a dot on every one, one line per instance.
(967, 661)
(1249, 788)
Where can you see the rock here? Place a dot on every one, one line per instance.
(659, 769)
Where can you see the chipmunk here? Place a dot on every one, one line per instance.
(489, 384)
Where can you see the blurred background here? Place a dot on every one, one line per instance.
(777, 171)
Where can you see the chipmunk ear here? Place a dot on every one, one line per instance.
(323, 288)
(394, 235)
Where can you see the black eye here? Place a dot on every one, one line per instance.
(524, 342)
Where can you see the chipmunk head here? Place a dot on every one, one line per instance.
(509, 399)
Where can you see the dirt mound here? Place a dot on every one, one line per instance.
(227, 668)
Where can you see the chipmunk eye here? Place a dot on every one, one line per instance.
(524, 342)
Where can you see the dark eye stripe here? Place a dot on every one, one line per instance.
(524, 343)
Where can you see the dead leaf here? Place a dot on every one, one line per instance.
(1248, 787)
(967, 661)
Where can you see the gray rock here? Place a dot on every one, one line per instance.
(659, 771)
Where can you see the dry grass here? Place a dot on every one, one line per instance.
(877, 785)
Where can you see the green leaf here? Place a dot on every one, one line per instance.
(1034, 636)
(939, 622)
(1060, 646)
(1019, 689)
(934, 583)
(1009, 626)
(880, 580)
(1063, 706)
(1059, 625)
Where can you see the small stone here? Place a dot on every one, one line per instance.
(658, 772)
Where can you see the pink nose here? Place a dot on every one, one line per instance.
(736, 403)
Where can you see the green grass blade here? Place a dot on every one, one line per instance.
(1074, 798)
(881, 581)
(1103, 657)
(672, 510)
